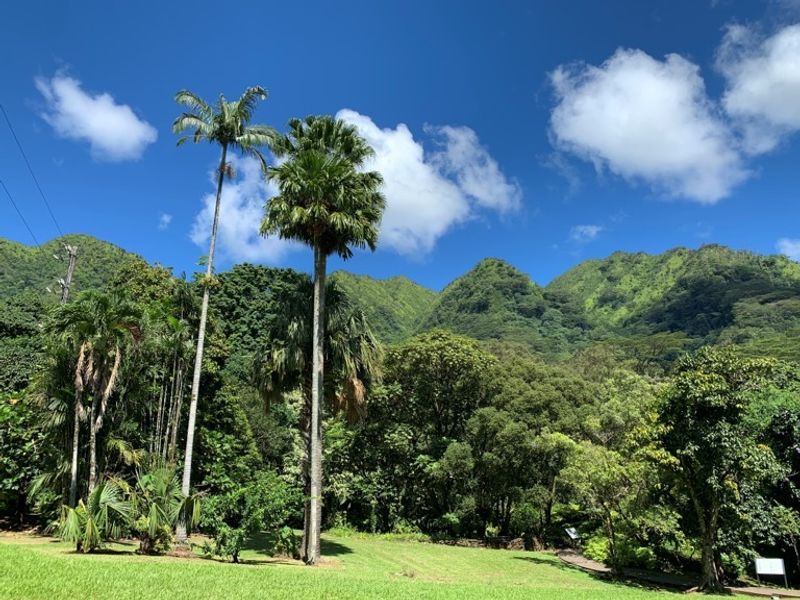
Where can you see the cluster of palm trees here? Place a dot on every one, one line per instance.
(326, 200)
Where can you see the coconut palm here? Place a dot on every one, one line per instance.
(97, 327)
(352, 361)
(228, 125)
(326, 201)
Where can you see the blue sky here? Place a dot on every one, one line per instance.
(543, 133)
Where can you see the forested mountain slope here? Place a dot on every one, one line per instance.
(396, 307)
(495, 301)
(709, 295)
(33, 269)
(656, 305)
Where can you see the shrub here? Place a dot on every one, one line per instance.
(265, 504)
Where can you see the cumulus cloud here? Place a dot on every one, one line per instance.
(163, 221)
(647, 120)
(582, 234)
(463, 158)
(789, 247)
(428, 194)
(113, 130)
(763, 84)
(241, 212)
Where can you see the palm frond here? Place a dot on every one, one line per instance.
(194, 102)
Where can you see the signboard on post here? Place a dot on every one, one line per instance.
(771, 566)
(573, 534)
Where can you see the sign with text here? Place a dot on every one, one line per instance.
(770, 566)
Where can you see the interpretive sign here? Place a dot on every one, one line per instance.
(771, 566)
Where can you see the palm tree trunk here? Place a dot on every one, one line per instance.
(305, 433)
(160, 415)
(92, 446)
(180, 531)
(76, 428)
(168, 408)
(173, 441)
(73, 471)
(315, 503)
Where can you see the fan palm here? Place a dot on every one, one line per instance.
(102, 517)
(228, 125)
(352, 360)
(156, 506)
(328, 202)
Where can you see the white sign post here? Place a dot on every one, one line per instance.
(771, 566)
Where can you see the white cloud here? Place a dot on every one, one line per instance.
(113, 131)
(584, 233)
(763, 84)
(429, 194)
(463, 158)
(789, 247)
(241, 212)
(647, 120)
(163, 221)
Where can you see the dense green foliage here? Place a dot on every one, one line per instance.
(34, 269)
(495, 301)
(523, 411)
(396, 307)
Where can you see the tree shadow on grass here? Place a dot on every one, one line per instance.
(262, 544)
(556, 563)
(635, 579)
(331, 548)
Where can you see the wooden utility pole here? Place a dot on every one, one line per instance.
(72, 253)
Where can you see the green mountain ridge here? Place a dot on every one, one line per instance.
(396, 306)
(651, 305)
(36, 268)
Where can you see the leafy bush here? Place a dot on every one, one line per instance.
(20, 439)
(265, 504)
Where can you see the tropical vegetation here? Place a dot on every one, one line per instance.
(652, 403)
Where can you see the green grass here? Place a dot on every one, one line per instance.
(355, 568)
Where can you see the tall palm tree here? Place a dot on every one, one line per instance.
(352, 361)
(228, 125)
(326, 201)
(97, 327)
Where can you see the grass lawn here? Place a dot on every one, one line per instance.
(355, 567)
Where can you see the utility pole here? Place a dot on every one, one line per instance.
(72, 253)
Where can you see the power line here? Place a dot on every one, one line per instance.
(30, 170)
(14, 204)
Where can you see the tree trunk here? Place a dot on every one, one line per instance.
(173, 442)
(315, 497)
(160, 416)
(186, 485)
(92, 446)
(711, 576)
(79, 385)
(73, 471)
(169, 407)
(305, 470)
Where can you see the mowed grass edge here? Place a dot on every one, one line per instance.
(39, 568)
